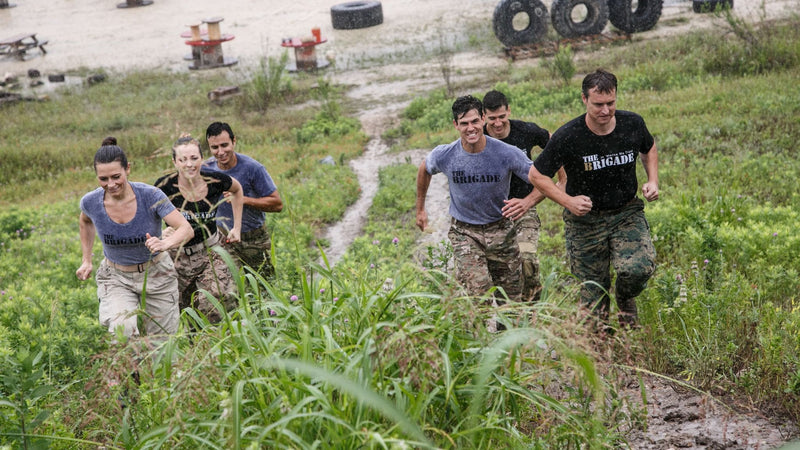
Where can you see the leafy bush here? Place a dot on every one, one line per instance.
(329, 122)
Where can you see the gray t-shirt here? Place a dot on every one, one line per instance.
(123, 243)
(255, 181)
(479, 182)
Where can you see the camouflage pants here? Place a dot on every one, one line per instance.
(619, 238)
(486, 256)
(199, 267)
(253, 251)
(527, 228)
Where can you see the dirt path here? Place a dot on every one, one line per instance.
(681, 418)
(376, 156)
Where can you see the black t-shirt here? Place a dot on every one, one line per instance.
(524, 136)
(600, 167)
(200, 214)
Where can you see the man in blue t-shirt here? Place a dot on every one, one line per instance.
(479, 171)
(260, 196)
(604, 222)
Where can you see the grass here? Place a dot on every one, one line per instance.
(384, 350)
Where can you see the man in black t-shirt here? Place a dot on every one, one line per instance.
(604, 219)
(522, 197)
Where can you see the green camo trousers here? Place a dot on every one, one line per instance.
(486, 256)
(254, 251)
(600, 240)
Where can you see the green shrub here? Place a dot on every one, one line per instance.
(268, 84)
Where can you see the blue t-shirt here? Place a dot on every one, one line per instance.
(123, 243)
(255, 181)
(479, 182)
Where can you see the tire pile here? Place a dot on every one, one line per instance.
(573, 19)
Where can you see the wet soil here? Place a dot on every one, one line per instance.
(678, 418)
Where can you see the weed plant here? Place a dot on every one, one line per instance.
(268, 84)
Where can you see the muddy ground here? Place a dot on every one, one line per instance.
(383, 70)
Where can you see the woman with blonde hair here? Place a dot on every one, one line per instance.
(196, 192)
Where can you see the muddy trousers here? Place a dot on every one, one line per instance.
(600, 240)
(527, 228)
(254, 251)
(201, 269)
(121, 294)
(486, 256)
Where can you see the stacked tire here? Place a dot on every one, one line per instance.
(574, 18)
(503, 22)
(644, 17)
(562, 14)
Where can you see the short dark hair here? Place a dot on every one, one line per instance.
(494, 100)
(216, 128)
(108, 154)
(604, 81)
(186, 139)
(465, 104)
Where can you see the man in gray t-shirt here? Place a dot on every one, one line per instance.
(260, 196)
(479, 171)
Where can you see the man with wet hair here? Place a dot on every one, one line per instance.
(604, 222)
(522, 198)
(479, 170)
(260, 196)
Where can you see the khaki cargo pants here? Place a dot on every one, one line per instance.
(120, 293)
(254, 251)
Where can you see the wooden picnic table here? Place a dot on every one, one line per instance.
(18, 45)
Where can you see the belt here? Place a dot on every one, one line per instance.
(136, 267)
(190, 250)
(611, 212)
(484, 226)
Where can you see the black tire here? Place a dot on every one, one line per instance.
(353, 15)
(629, 20)
(594, 22)
(703, 6)
(503, 19)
